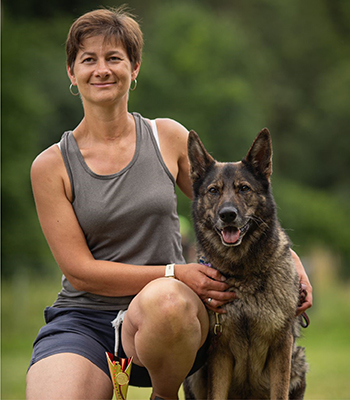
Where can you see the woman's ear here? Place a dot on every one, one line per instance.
(135, 70)
(71, 75)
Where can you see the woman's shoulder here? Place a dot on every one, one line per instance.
(170, 126)
(172, 131)
(172, 136)
(48, 174)
(48, 161)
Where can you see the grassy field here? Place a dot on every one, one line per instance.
(327, 340)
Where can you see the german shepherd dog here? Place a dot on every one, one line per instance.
(238, 233)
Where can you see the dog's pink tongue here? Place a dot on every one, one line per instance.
(230, 235)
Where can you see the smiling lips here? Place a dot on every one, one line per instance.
(102, 84)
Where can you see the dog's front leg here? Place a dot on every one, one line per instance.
(220, 369)
(280, 367)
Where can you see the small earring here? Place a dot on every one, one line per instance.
(134, 87)
(73, 93)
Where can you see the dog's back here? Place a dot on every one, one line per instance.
(238, 232)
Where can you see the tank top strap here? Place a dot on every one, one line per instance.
(155, 131)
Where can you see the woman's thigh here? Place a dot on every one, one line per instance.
(88, 333)
(69, 353)
(67, 376)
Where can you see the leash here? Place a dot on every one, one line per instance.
(304, 320)
(217, 326)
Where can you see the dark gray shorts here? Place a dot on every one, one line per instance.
(90, 334)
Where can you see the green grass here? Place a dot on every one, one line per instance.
(327, 340)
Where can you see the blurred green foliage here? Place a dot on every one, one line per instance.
(224, 68)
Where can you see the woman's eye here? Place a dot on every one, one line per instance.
(88, 60)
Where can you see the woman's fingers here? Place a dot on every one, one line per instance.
(208, 283)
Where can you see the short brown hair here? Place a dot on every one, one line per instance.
(115, 23)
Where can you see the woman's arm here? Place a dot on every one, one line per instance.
(66, 239)
(173, 145)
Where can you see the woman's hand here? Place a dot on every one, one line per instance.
(207, 283)
(305, 284)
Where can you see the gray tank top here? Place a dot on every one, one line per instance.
(127, 217)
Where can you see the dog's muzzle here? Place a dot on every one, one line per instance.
(228, 229)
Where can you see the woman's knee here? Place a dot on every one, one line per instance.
(172, 306)
(167, 297)
(166, 313)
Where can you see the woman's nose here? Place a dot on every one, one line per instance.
(102, 69)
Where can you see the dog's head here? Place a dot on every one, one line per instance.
(231, 199)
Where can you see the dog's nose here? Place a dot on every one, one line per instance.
(228, 214)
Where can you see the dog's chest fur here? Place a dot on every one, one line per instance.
(257, 322)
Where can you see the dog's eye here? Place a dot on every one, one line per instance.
(213, 190)
(244, 188)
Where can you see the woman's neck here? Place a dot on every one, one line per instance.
(105, 124)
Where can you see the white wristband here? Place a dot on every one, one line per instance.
(170, 271)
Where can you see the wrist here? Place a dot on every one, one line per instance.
(170, 271)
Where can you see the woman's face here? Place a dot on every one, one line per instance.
(103, 71)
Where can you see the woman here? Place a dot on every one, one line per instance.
(107, 206)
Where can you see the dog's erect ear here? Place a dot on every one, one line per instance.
(200, 159)
(260, 154)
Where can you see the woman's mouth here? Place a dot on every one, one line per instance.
(103, 85)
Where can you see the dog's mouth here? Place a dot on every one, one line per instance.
(232, 236)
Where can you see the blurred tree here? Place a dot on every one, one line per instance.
(35, 107)
(223, 68)
(312, 218)
(43, 9)
(298, 65)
